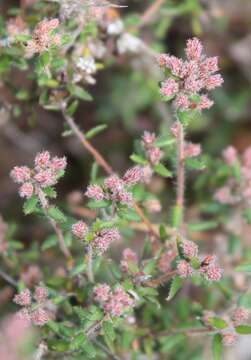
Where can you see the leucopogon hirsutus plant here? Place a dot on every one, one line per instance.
(110, 299)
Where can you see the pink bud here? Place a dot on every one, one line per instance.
(20, 174)
(95, 192)
(193, 49)
(24, 298)
(41, 294)
(230, 155)
(26, 190)
(184, 269)
(80, 229)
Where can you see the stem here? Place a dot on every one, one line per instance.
(151, 11)
(104, 165)
(54, 224)
(180, 175)
(89, 264)
(8, 278)
(98, 157)
(161, 279)
(105, 349)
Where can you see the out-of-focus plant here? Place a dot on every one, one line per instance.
(95, 305)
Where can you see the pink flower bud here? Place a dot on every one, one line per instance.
(214, 273)
(114, 183)
(240, 316)
(128, 256)
(40, 317)
(205, 102)
(133, 176)
(102, 293)
(214, 81)
(184, 269)
(26, 190)
(192, 150)
(169, 87)
(148, 139)
(229, 338)
(175, 129)
(20, 174)
(80, 229)
(95, 192)
(190, 249)
(42, 160)
(58, 164)
(104, 239)
(181, 102)
(155, 155)
(230, 155)
(24, 298)
(45, 178)
(41, 294)
(193, 49)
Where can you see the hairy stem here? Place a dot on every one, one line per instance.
(151, 11)
(8, 278)
(54, 224)
(105, 166)
(89, 264)
(180, 175)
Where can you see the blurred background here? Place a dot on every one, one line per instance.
(126, 97)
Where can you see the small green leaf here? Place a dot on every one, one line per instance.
(95, 131)
(243, 329)
(164, 142)
(80, 93)
(243, 268)
(162, 170)
(50, 242)
(195, 164)
(78, 341)
(217, 347)
(72, 108)
(138, 159)
(50, 192)
(176, 285)
(203, 226)
(56, 214)
(218, 322)
(30, 205)
(162, 232)
(108, 332)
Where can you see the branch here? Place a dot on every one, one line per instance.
(8, 278)
(160, 280)
(54, 224)
(104, 165)
(150, 12)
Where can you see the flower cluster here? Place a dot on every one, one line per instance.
(116, 189)
(45, 173)
(187, 79)
(153, 153)
(237, 189)
(101, 240)
(237, 317)
(43, 37)
(191, 264)
(114, 302)
(128, 257)
(33, 313)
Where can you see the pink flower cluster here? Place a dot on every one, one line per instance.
(114, 302)
(102, 239)
(43, 38)
(236, 190)
(153, 153)
(128, 256)
(238, 317)
(116, 189)
(46, 173)
(36, 315)
(208, 267)
(190, 77)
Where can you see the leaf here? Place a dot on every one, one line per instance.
(95, 131)
(49, 191)
(78, 341)
(56, 214)
(30, 205)
(164, 142)
(108, 332)
(162, 232)
(203, 225)
(243, 268)
(195, 164)
(80, 93)
(72, 108)
(243, 329)
(177, 283)
(78, 269)
(162, 170)
(218, 322)
(50, 242)
(217, 347)
(138, 159)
